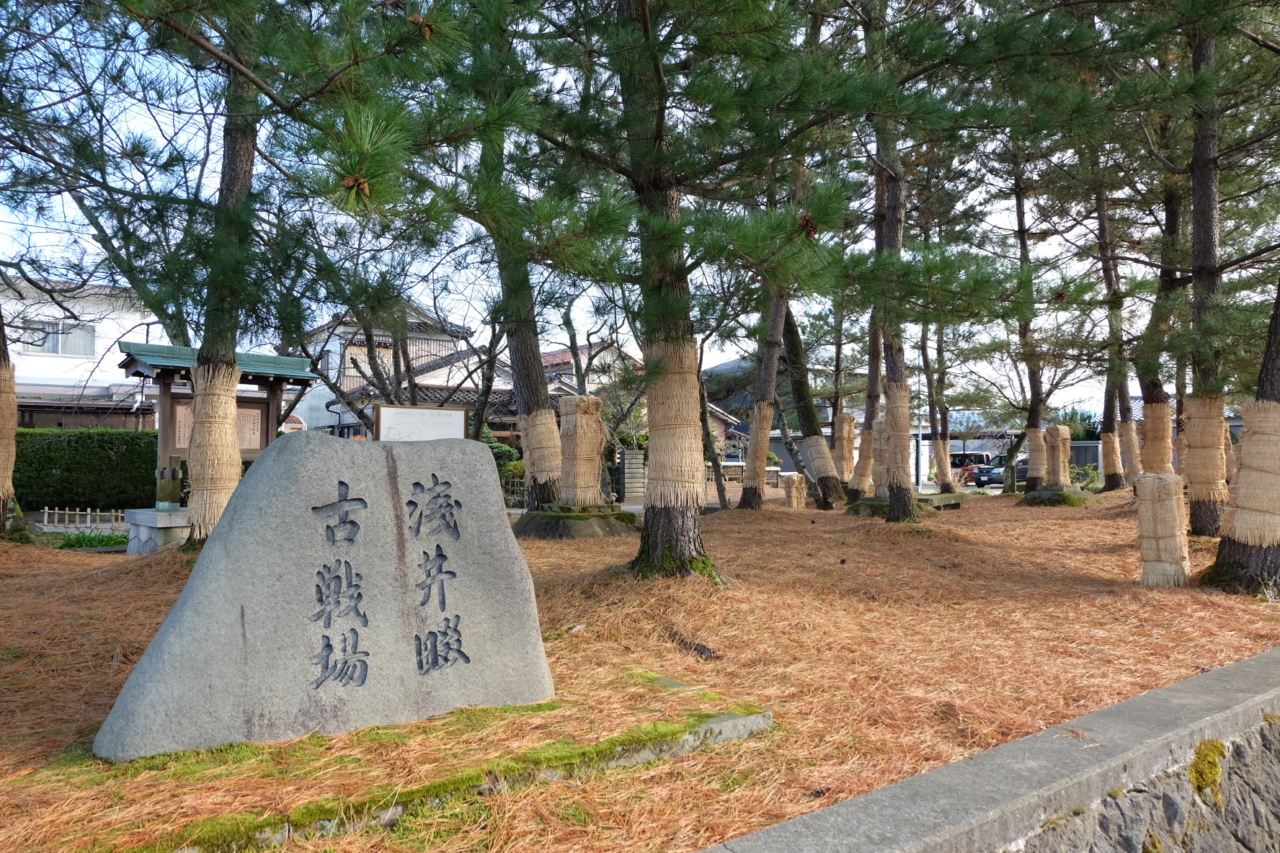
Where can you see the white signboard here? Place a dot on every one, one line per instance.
(183, 419)
(249, 428)
(418, 423)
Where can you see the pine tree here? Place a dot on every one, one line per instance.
(708, 95)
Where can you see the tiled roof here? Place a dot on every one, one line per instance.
(144, 359)
(565, 355)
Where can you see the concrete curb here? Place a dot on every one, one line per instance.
(1000, 796)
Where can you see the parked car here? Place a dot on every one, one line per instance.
(963, 465)
(993, 473)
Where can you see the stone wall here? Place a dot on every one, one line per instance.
(1191, 767)
(1227, 800)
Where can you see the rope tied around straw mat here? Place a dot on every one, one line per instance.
(1036, 459)
(214, 459)
(1253, 516)
(1205, 466)
(582, 438)
(540, 437)
(1162, 530)
(758, 445)
(677, 473)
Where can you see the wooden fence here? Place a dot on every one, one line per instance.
(68, 520)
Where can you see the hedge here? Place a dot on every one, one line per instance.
(85, 468)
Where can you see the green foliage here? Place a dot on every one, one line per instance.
(89, 468)
(772, 459)
(94, 540)
(513, 470)
(1084, 426)
(1086, 477)
(502, 453)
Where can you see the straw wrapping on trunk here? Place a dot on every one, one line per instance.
(1162, 530)
(8, 430)
(540, 439)
(1131, 451)
(1037, 460)
(1064, 455)
(1157, 438)
(820, 456)
(898, 434)
(758, 445)
(1229, 452)
(793, 486)
(845, 433)
(942, 460)
(214, 459)
(1055, 469)
(582, 440)
(879, 456)
(1112, 463)
(863, 468)
(1253, 516)
(677, 474)
(1205, 467)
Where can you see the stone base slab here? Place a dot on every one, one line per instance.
(152, 530)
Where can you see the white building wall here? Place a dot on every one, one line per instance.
(86, 357)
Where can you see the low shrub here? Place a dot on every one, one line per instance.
(85, 468)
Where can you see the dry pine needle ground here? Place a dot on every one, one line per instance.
(883, 651)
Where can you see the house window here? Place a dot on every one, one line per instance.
(61, 339)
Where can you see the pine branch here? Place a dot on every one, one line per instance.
(596, 157)
(1154, 152)
(1259, 40)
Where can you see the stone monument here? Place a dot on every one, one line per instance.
(347, 585)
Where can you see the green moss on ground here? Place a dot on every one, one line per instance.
(436, 807)
(1060, 499)
(674, 568)
(224, 832)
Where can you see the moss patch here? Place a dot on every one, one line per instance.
(1205, 770)
(1058, 499)
(432, 811)
(673, 568)
(224, 832)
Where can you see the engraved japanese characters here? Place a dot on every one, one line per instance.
(348, 584)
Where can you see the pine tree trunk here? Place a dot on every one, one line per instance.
(753, 477)
(8, 427)
(671, 537)
(214, 457)
(830, 489)
(488, 374)
(902, 499)
(862, 483)
(897, 443)
(1028, 348)
(535, 417)
(789, 445)
(1112, 467)
(709, 444)
(1131, 452)
(1249, 552)
(939, 448)
(1207, 489)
